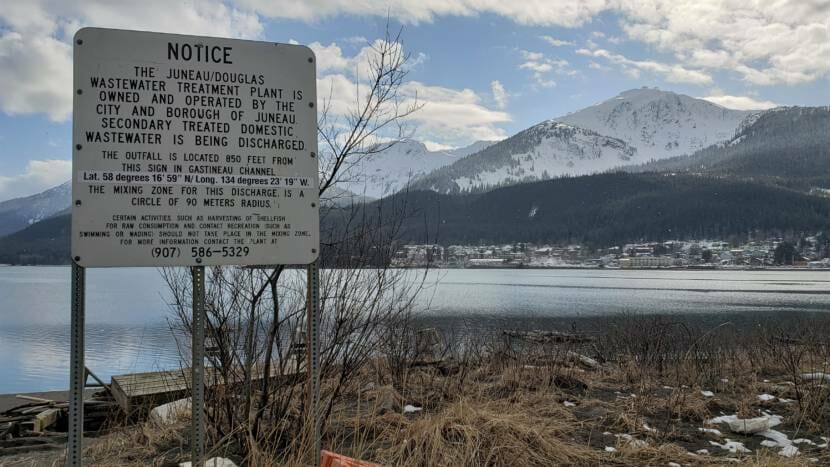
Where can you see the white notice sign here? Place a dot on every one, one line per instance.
(193, 151)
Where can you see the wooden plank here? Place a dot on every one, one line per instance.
(133, 389)
(45, 419)
(34, 399)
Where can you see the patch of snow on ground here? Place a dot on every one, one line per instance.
(707, 393)
(749, 425)
(732, 446)
(569, 404)
(610, 449)
(776, 439)
(788, 451)
(766, 397)
(411, 409)
(714, 431)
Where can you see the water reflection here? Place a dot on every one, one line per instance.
(127, 329)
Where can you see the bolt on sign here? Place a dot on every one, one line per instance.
(193, 151)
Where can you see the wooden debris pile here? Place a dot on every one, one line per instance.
(553, 347)
(40, 424)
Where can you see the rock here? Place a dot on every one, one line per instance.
(167, 414)
(212, 462)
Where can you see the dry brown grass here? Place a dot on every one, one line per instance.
(507, 408)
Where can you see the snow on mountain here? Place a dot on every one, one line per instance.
(540, 152)
(391, 170)
(18, 213)
(660, 124)
(632, 128)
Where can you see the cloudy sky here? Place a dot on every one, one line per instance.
(483, 69)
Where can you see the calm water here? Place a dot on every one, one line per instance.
(127, 316)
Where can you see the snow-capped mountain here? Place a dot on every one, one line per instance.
(391, 170)
(18, 213)
(660, 124)
(632, 128)
(540, 152)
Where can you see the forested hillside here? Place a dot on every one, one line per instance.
(45, 242)
(598, 210)
(783, 145)
(608, 209)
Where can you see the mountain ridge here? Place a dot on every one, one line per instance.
(633, 127)
(18, 213)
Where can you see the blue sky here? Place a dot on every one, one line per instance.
(482, 69)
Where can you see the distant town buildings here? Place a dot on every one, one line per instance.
(805, 252)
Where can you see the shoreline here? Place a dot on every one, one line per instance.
(540, 267)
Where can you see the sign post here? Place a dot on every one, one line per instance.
(77, 369)
(197, 368)
(313, 350)
(188, 151)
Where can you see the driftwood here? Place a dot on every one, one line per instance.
(553, 337)
(582, 360)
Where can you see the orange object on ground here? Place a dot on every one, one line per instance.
(331, 459)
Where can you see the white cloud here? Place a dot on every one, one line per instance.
(452, 116)
(672, 73)
(542, 66)
(38, 176)
(740, 102)
(555, 42)
(329, 57)
(36, 58)
(536, 12)
(764, 42)
(596, 66)
(448, 116)
(36, 73)
(500, 95)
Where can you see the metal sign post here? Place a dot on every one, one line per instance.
(313, 355)
(77, 370)
(197, 368)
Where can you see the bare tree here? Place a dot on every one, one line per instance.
(256, 316)
(377, 117)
